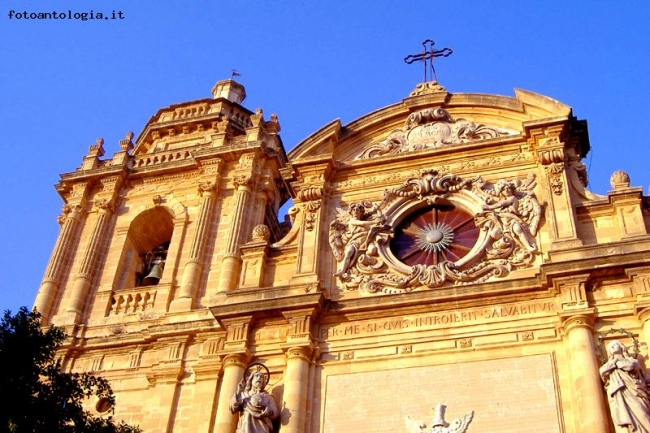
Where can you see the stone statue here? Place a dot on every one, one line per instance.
(627, 392)
(353, 234)
(256, 407)
(439, 425)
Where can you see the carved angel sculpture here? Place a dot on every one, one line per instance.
(515, 212)
(439, 425)
(352, 235)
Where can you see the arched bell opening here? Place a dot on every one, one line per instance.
(145, 251)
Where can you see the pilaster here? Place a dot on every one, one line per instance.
(551, 153)
(244, 181)
(578, 328)
(192, 270)
(69, 221)
(105, 206)
(310, 192)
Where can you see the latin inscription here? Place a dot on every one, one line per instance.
(436, 320)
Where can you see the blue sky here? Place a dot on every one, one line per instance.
(64, 83)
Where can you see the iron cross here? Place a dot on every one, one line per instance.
(427, 57)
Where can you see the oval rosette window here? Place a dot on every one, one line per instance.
(434, 234)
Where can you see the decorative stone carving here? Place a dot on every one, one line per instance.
(428, 129)
(105, 204)
(627, 393)
(439, 425)
(619, 180)
(256, 407)
(427, 88)
(478, 231)
(261, 233)
(126, 143)
(157, 199)
(554, 172)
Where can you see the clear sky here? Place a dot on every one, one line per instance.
(66, 82)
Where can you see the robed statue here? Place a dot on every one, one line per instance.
(627, 391)
(256, 407)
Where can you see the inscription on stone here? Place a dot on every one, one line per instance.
(436, 320)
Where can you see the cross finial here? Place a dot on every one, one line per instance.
(427, 57)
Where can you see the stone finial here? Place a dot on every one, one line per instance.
(273, 125)
(126, 144)
(261, 233)
(257, 118)
(619, 180)
(229, 89)
(96, 149)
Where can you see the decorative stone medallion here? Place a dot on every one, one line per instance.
(436, 229)
(431, 128)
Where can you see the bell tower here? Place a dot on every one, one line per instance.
(157, 227)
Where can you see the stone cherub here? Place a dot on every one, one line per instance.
(512, 214)
(352, 234)
(627, 390)
(256, 407)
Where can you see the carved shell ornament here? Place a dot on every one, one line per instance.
(436, 229)
(431, 128)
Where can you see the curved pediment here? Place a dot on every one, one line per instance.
(430, 120)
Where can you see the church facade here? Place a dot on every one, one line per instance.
(443, 266)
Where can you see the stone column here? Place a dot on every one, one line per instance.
(194, 266)
(232, 262)
(85, 275)
(588, 387)
(233, 371)
(296, 389)
(50, 284)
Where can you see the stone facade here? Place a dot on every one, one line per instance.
(441, 250)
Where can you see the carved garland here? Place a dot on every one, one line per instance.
(506, 215)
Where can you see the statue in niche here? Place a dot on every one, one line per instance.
(352, 235)
(256, 407)
(627, 392)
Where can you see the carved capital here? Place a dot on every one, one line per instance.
(303, 353)
(584, 319)
(235, 360)
(243, 181)
(69, 211)
(104, 205)
(207, 187)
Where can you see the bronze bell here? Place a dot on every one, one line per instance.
(154, 275)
